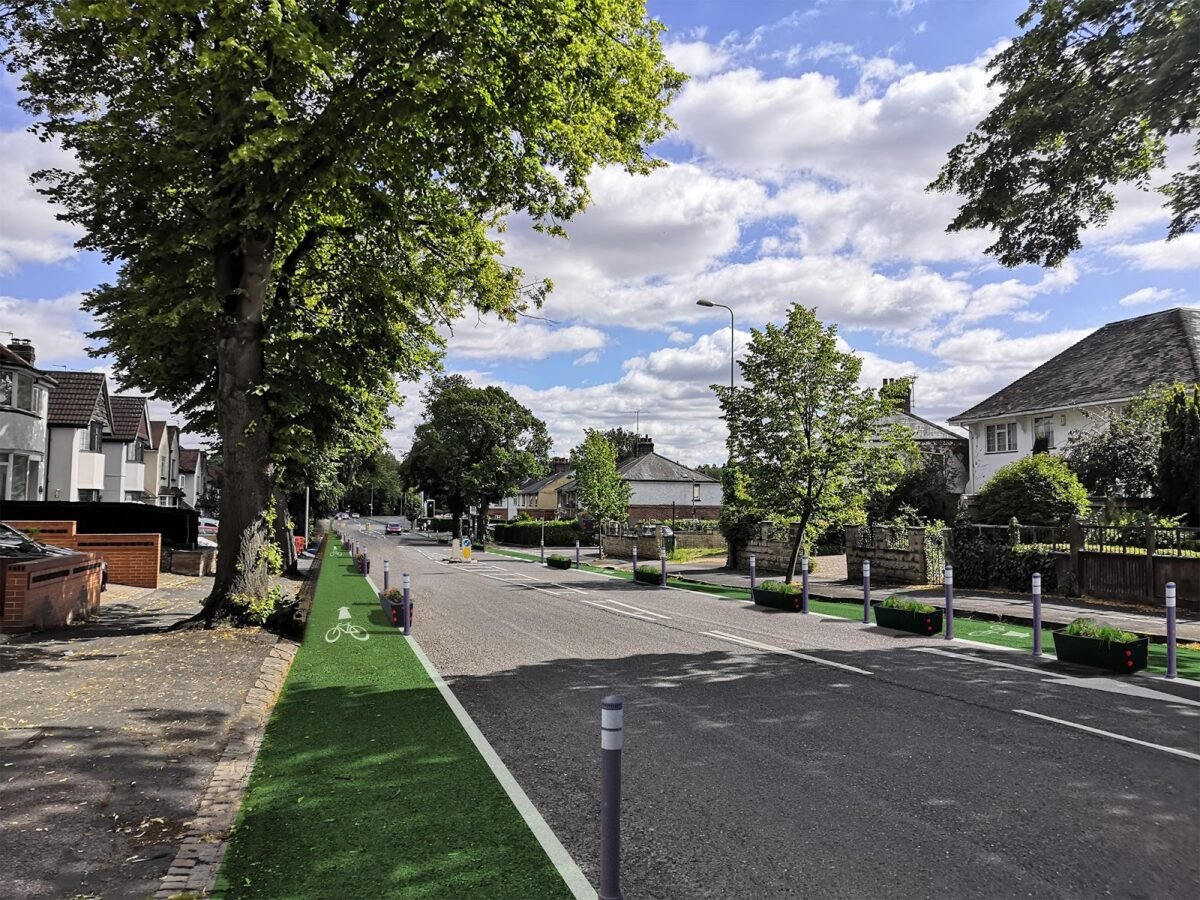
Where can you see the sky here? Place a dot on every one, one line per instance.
(805, 137)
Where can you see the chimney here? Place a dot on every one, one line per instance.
(644, 447)
(905, 401)
(561, 464)
(23, 349)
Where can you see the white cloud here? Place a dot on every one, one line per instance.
(1148, 295)
(29, 231)
(490, 338)
(697, 58)
(56, 327)
(1181, 253)
(587, 359)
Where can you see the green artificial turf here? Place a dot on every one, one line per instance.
(366, 785)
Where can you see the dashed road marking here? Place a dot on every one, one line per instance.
(1109, 734)
(746, 642)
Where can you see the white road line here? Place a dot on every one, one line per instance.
(1109, 734)
(566, 866)
(638, 609)
(814, 659)
(1099, 683)
(619, 612)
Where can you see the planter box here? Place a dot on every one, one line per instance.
(906, 620)
(558, 563)
(1087, 651)
(641, 578)
(777, 599)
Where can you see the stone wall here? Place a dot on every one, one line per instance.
(703, 540)
(892, 561)
(622, 548)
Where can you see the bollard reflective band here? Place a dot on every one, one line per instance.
(1037, 582)
(949, 575)
(612, 723)
(1170, 594)
(804, 564)
(406, 581)
(866, 567)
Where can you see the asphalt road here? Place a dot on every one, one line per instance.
(769, 754)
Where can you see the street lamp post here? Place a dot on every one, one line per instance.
(710, 304)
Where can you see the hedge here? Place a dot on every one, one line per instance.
(980, 563)
(559, 533)
(554, 561)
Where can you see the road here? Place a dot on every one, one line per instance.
(770, 754)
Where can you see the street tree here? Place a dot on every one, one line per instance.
(262, 171)
(1179, 453)
(474, 446)
(598, 488)
(624, 443)
(1092, 91)
(802, 434)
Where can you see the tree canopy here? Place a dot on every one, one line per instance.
(1179, 453)
(1093, 89)
(1037, 490)
(804, 438)
(1118, 453)
(474, 446)
(624, 442)
(297, 194)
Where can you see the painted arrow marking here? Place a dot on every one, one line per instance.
(344, 612)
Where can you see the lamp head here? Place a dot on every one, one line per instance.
(704, 303)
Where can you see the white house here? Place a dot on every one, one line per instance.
(124, 450)
(193, 475)
(23, 429)
(163, 482)
(1104, 370)
(660, 489)
(79, 417)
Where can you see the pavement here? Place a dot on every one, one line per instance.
(110, 732)
(774, 755)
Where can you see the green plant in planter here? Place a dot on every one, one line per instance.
(558, 561)
(778, 587)
(1091, 629)
(778, 595)
(907, 604)
(392, 595)
(647, 574)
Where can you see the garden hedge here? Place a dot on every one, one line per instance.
(559, 533)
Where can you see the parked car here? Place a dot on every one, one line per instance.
(16, 543)
(354, 515)
(393, 528)
(648, 531)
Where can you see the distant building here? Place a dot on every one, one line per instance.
(933, 440)
(79, 418)
(125, 449)
(24, 392)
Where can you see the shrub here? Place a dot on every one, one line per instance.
(1089, 628)
(907, 604)
(1036, 490)
(779, 587)
(559, 533)
(647, 574)
(557, 561)
(252, 609)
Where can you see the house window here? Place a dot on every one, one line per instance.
(1043, 430)
(133, 496)
(91, 439)
(1002, 438)
(6, 388)
(162, 465)
(695, 492)
(92, 495)
(134, 450)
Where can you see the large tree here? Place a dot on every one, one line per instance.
(598, 488)
(1179, 453)
(1117, 452)
(803, 434)
(474, 446)
(1092, 90)
(624, 442)
(263, 171)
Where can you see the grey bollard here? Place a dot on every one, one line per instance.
(804, 584)
(866, 592)
(662, 562)
(612, 738)
(405, 607)
(542, 546)
(948, 580)
(577, 553)
(752, 564)
(1037, 613)
(635, 554)
(385, 574)
(1171, 629)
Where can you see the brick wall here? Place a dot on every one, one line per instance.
(662, 512)
(132, 559)
(48, 593)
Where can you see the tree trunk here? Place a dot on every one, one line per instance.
(242, 274)
(283, 532)
(456, 506)
(797, 542)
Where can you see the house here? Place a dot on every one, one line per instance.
(537, 498)
(951, 448)
(162, 466)
(193, 475)
(24, 392)
(78, 418)
(124, 450)
(660, 489)
(1104, 370)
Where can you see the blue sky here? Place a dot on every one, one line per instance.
(805, 138)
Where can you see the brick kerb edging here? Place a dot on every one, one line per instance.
(194, 869)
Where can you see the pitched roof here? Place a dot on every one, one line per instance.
(128, 414)
(16, 361)
(653, 467)
(77, 398)
(188, 459)
(156, 432)
(535, 485)
(922, 429)
(1112, 363)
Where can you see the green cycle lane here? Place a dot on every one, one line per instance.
(366, 784)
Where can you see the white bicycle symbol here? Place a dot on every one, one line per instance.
(355, 631)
